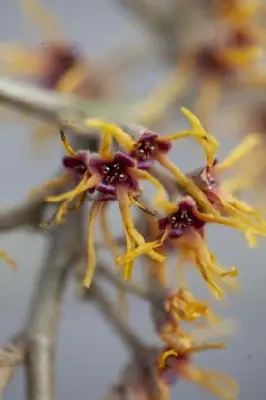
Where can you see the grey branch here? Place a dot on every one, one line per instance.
(41, 330)
(129, 287)
(51, 105)
(139, 375)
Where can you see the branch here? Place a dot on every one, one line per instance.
(28, 213)
(50, 104)
(140, 374)
(115, 279)
(131, 340)
(41, 328)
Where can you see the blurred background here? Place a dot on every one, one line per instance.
(90, 355)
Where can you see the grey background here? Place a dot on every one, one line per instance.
(89, 354)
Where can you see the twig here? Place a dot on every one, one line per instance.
(27, 214)
(13, 352)
(11, 355)
(130, 287)
(49, 104)
(140, 372)
(131, 340)
(43, 321)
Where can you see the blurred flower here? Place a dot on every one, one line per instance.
(250, 173)
(176, 363)
(185, 307)
(56, 64)
(238, 11)
(181, 306)
(230, 54)
(233, 58)
(241, 215)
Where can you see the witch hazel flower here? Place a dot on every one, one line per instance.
(114, 177)
(181, 306)
(241, 215)
(183, 228)
(175, 360)
(185, 307)
(176, 363)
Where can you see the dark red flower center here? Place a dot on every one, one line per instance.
(146, 149)
(181, 219)
(114, 174)
(179, 222)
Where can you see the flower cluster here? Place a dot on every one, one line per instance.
(175, 227)
(117, 177)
